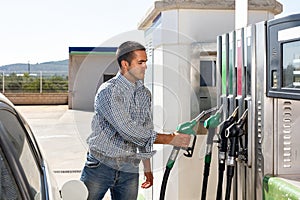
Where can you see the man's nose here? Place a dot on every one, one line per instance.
(145, 65)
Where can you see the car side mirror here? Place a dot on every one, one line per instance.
(74, 190)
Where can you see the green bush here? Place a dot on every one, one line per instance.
(25, 83)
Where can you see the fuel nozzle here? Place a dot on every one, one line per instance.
(233, 133)
(228, 122)
(188, 128)
(214, 120)
(236, 129)
(210, 124)
(205, 112)
(223, 141)
(222, 135)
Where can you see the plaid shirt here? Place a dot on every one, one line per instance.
(122, 124)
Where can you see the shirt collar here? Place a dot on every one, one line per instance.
(126, 84)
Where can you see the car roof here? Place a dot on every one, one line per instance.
(4, 99)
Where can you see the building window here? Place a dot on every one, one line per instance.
(207, 73)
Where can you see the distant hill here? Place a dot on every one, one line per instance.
(52, 66)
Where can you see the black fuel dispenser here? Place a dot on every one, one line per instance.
(222, 145)
(234, 134)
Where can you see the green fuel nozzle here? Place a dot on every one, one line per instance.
(185, 128)
(210, 124)
(214, 120)
(188, 128)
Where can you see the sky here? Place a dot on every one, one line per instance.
(34, 31)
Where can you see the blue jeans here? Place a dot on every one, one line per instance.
(99, 177)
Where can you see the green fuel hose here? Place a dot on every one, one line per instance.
(185, 128)
(210, 124)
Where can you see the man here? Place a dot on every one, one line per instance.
(122, 130)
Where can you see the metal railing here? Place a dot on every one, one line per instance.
(34, 82)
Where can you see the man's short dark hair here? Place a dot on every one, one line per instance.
(126, 51)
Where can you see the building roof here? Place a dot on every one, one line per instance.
(92, 50)
(272, 6)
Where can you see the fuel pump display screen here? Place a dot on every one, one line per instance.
(283, 57)
(291, 65)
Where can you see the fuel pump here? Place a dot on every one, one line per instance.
(222, 145)
(262, 146)
(281, 108)
(234, 134)
(210, 124)
(240, 71)
(186, 128)
(231, 82)
(226, 45)
(239, 178)
(224, 74)
(247, 146)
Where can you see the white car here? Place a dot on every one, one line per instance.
(23, 169)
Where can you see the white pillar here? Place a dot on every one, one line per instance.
(241, 13)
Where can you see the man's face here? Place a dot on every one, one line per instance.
(137, 68)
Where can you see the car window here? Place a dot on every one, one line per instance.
(8, 187)
(21, 148)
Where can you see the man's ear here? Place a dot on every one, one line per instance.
(124, 64)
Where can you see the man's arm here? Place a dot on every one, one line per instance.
(148, 174)
(175, 139)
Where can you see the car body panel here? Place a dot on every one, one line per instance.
(21, 155)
